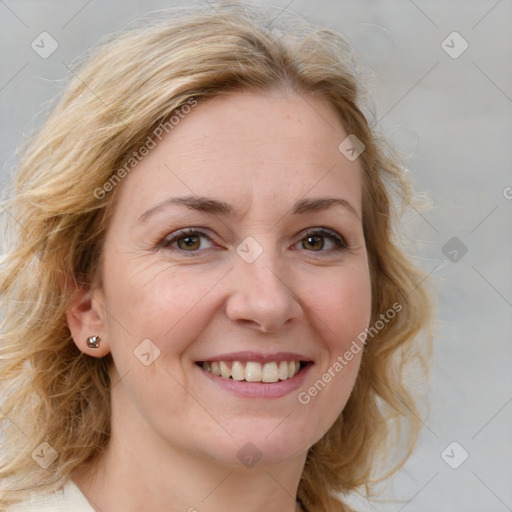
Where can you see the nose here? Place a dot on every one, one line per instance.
(262, 297)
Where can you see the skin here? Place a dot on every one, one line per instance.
(175, 435)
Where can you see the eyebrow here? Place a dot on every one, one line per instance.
(214, 206)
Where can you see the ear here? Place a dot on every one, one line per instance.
(86, 317)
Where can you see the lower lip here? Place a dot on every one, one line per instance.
(271, 390)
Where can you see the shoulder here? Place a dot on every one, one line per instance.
(69, 497)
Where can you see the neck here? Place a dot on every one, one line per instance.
(162, 477)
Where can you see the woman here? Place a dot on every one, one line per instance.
(205, 307)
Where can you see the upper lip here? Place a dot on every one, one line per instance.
(258, 357)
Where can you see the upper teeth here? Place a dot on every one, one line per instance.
(252, 371)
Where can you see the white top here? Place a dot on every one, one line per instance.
(67, 499)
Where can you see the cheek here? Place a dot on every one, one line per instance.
(342, 307)
(341, 302)
(169, 306)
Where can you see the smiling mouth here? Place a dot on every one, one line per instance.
(252, 371)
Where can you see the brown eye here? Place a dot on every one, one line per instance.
(186, 241)
(314, 243)
(189, 242)
(323, 241)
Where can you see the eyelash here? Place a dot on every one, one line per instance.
(339, 241)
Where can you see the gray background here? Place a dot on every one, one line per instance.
(453, 117)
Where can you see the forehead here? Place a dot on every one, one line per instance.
(249, 148)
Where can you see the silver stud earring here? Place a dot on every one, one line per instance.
(93, 341)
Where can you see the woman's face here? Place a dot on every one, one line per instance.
(268, 276)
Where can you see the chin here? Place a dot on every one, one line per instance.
(268, 444)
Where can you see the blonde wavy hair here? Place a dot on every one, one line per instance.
(54, 228)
